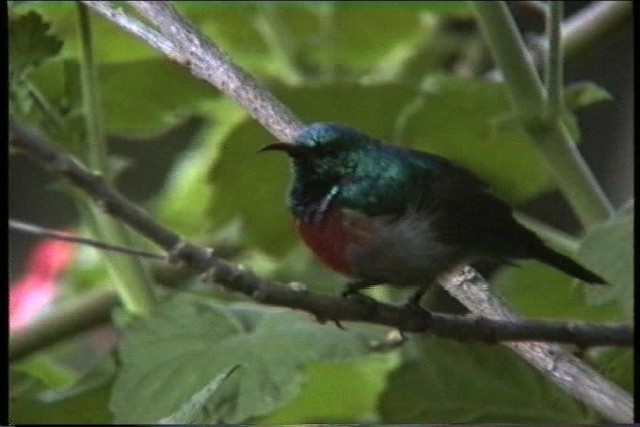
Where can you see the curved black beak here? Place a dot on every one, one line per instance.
(291, 149)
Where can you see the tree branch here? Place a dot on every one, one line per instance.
(187, 46)
(499, 324)
(206, 61)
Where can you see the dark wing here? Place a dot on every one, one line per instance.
(442, 180)
(468, 215)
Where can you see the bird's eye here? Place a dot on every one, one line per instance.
(331, 148)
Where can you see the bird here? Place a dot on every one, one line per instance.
(384, 214)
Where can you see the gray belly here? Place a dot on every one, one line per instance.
(405, 252)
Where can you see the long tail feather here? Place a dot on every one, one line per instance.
(569, 266)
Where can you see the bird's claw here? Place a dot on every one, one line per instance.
(339, 324)
(413, 303)
(321, 319)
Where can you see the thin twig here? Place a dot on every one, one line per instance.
(58, 235)
(554, 63)
(467, 286)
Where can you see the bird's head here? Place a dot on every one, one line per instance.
(325, 150)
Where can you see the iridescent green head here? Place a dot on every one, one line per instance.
(324, 150)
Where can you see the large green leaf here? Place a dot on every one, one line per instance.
(134, 104)
(56, 397)
(194, 407)
(609, 249)
(45, 369)
(452, 382)
(337, 394)
(89, 407)
(30, 43)
(459, 119)
(171, 356)
(182, 203)
(318, 40)
(540, 291)
(537, 290)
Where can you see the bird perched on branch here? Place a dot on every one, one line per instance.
(383, 214)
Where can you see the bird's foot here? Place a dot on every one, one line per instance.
(322, 320)
(352, 290)
(413, 303)
(339, 324)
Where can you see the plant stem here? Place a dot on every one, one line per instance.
(572, 174)
(583, 30)
(130, 279)
(96, 150)
(42, 101)
(510, 53)
(554, 60)
(549, 134)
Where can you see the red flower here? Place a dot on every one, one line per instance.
(34, 292)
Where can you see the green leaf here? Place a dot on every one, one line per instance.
(30, 43)
(609, 249)
(52, 374)
(583, 94)
(112, 44)
(457, 119)
(86, 401)
(539, 291)
(317, 40)
(134, 104)
(90, 407)
(338, 394)
(452, 382)
(181, 204)
(168, 358)
(198, 402)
